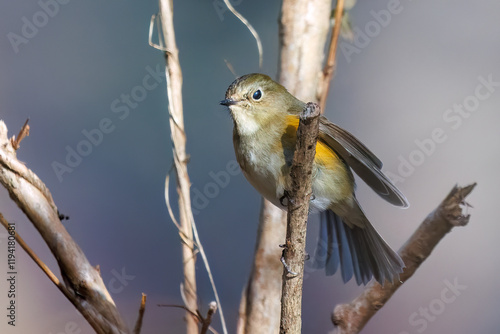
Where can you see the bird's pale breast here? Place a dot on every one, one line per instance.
(267, 167)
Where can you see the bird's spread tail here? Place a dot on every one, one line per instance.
(359, 251)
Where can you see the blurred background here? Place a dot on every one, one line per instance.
(421, 88)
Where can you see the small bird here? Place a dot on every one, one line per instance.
(266, 117)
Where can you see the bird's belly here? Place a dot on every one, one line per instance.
(264, 174)
(272, 186)
(269, 173)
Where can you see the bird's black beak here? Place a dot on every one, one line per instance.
(228, 102)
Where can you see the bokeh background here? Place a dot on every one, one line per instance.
(78, 67)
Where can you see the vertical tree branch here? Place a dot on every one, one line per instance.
(175, 108)
(260, 305)
(351, 318)
(330, 65)
(304, 26)
(299, 195)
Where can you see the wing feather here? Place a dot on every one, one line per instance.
(362, 161)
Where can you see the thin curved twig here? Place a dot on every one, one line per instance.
(250, 27)
(187, 223)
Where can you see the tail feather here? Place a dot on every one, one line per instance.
(346, 257)
(358, 251)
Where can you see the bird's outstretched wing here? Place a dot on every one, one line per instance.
(361, 160)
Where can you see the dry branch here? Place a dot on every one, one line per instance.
(83, 282)
(191, 243)
(175, 108)
(351, 318)
(24, 132)
(299, 195)
(330, 65)
(249, 27)
(142, 309)
(260, 305)
(212, 307)
(304, 26)
(20, 241)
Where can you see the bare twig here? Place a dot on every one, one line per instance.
(299, 196)
(212, 307)
(24, 132)
(186, 219)
(83, 282)
(175, 108)
(35, 258)
(142, 308)
(260, 305)
(330, 65)
(351, 318)
(230, 68)
(169, 207)
(249, 26)
(304, 26)
(210, 276)
(196, 314)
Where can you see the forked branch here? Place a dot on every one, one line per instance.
(83, 284)
(351, 318)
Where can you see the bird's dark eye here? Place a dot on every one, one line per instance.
(257, 95)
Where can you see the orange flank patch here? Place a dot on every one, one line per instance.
(292, 121)
(324, 154)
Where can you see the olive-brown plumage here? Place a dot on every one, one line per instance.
(265, 117)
